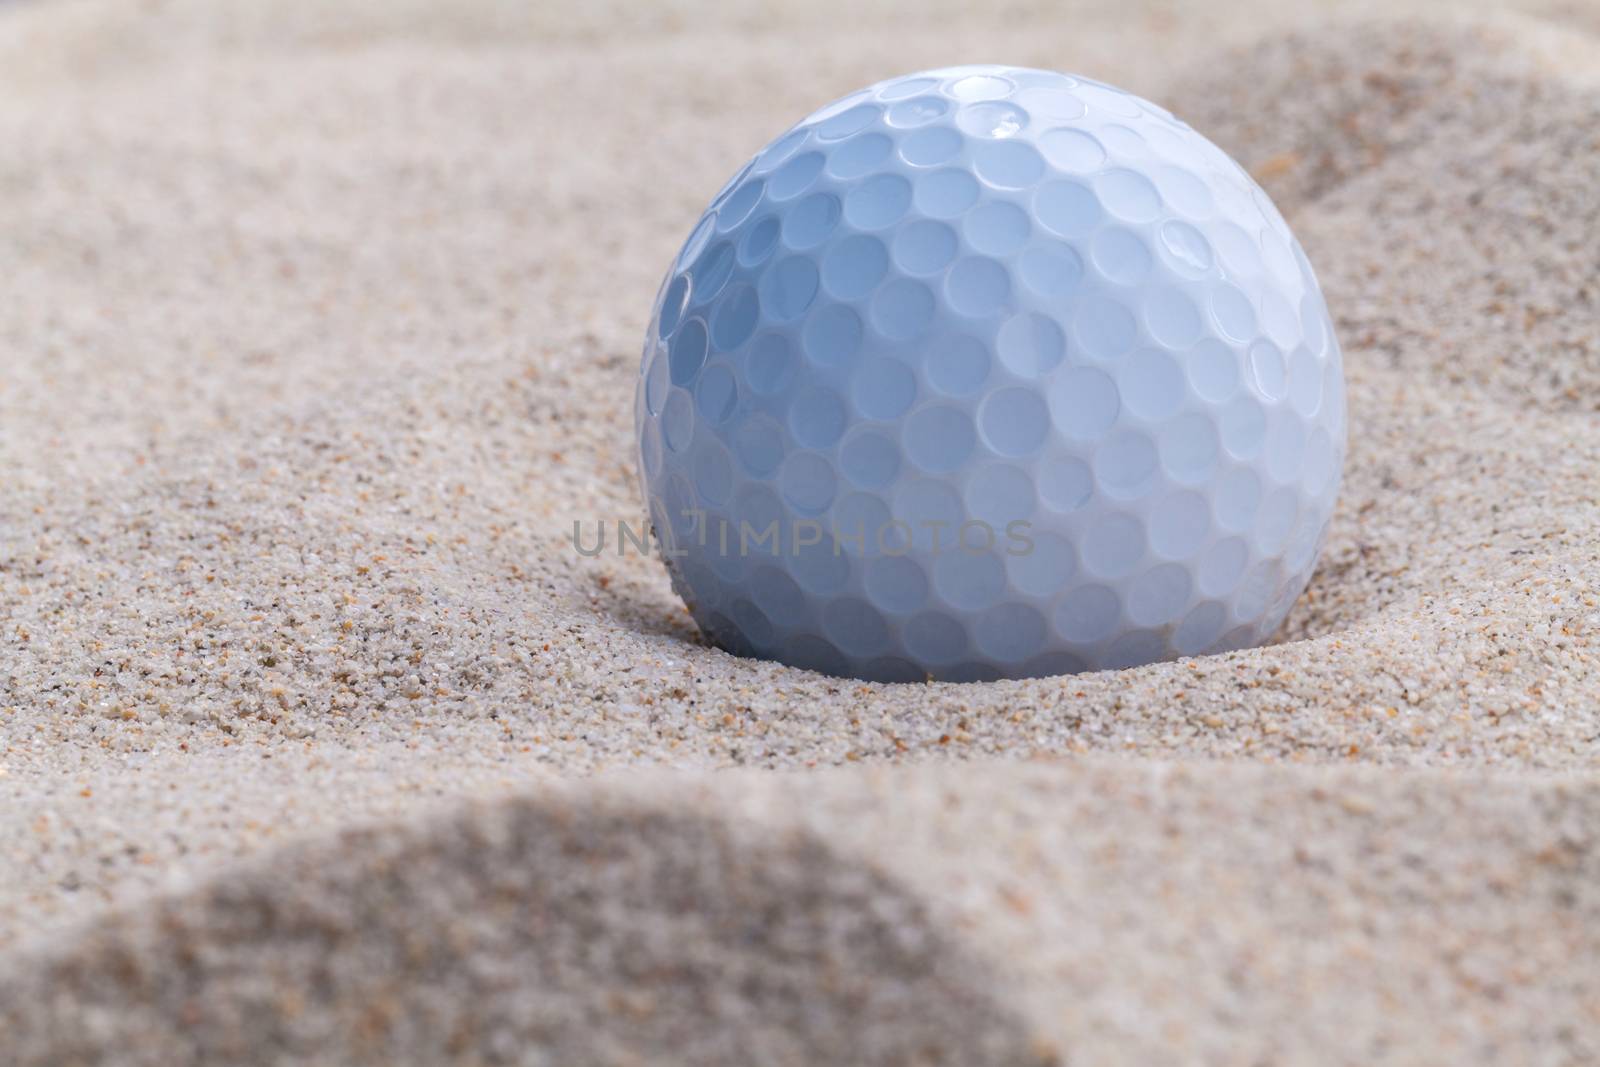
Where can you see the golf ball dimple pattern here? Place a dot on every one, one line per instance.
(990, 372)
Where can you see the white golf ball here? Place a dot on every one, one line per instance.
(990, 372)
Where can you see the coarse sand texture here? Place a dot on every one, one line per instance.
(321, 744)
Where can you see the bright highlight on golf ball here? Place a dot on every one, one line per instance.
(990, 372)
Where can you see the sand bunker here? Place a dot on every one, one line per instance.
(319, 742)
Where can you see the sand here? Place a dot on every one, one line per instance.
(320, 744)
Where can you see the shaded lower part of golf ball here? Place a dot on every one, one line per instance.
(990, 372)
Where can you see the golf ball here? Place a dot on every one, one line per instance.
(989, 372)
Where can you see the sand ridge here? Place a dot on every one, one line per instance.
(1044, 912)
(314, 372)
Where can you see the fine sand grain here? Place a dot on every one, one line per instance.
(319, 743)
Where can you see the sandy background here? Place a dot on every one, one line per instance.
(318, 744)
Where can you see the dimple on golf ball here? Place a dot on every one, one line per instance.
(989, 372)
